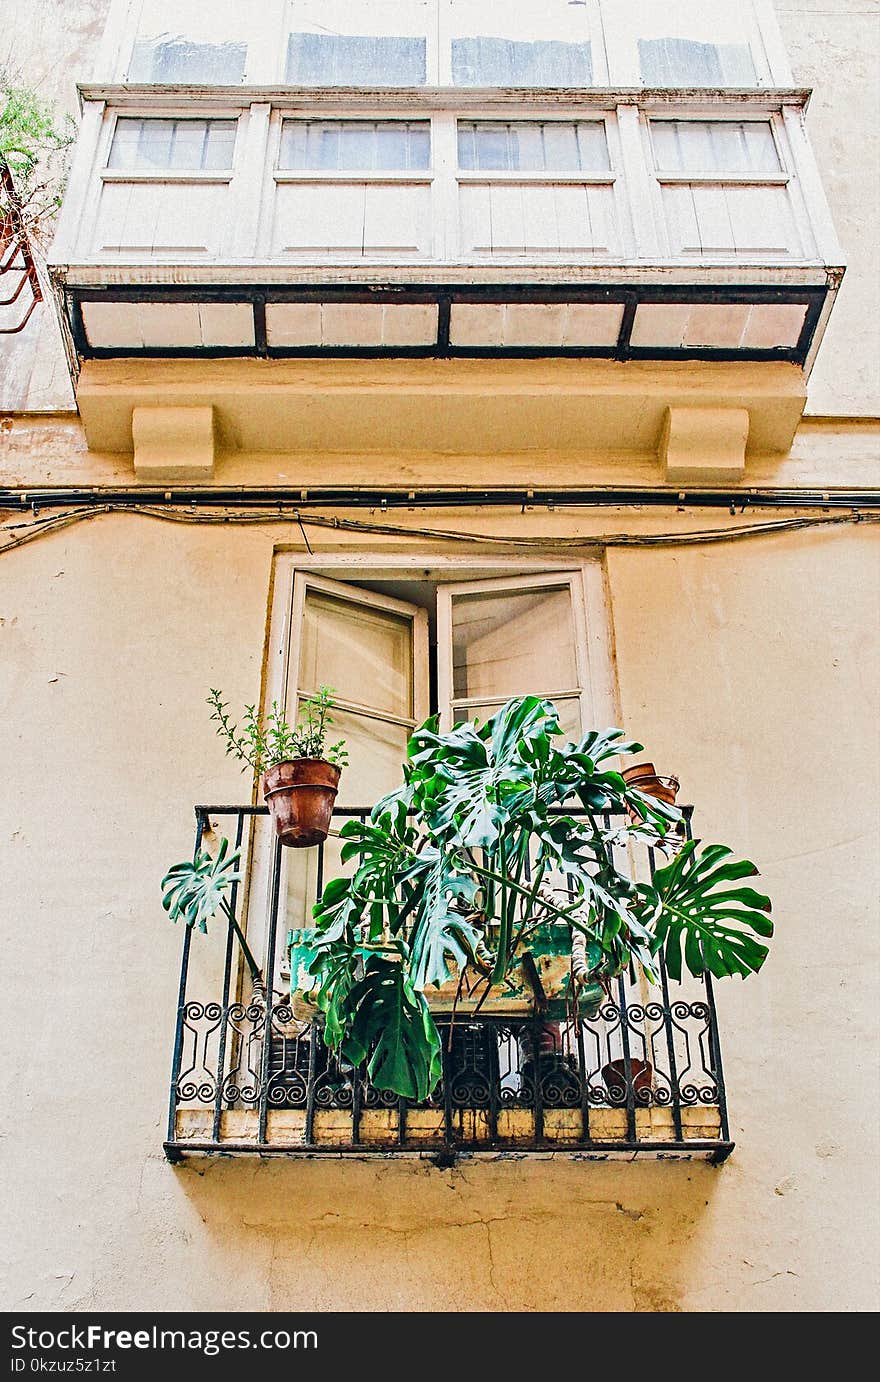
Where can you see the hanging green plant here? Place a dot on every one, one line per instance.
(35, 145)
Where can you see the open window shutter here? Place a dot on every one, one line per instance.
(373, 651)
(513, 637)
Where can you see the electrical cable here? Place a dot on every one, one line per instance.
(38, 526)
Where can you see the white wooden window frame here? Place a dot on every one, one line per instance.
(273, 177)
(407, 176)
(614, 176)
(772, 178)
(100, 174)
(587, 581)
(169, 174)
(786, 177)
(574, 582)
(305, 581)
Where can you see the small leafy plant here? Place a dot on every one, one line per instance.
(261, 745)
(457, 868)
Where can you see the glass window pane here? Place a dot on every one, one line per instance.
(154, 150)
(467, 154)
(172, 145)
(126, 139)
(365, 654)
(561, 147)
(177, 60)
(558, 146)
(355, 60)
(330, 145)
(593, 145)
(220, 144)
(420, 145)
(356, 145)
(294, 136)
(391, 145)
(526, 147)
(512, 643)
(715, 146)
(188, 144)
(492, 147)
(489, 61)
(324, 147)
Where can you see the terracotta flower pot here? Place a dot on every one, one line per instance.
(643, 777)
(300, 796)
(641, 1074)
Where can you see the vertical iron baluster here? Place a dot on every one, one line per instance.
(445, 1055)
(667, 1025)
(224, 1004)
(491, 1038)
(314, 1038)
(401, 1122)
(627, 1067)
(269, 977)
(536, 1075)
(358, 1074)
(181, 1002)
(319, 881)
(715, 1049)
(584, 1078)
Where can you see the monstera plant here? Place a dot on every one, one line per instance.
(480, 848)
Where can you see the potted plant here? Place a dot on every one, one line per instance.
(300, 775)
(450, 892)
(643, 778)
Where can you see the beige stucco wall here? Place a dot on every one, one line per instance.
(751, 669)
(833, 46)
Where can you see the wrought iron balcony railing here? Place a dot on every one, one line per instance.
(641, 1077)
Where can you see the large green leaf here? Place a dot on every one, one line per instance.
(391, 1027)
(692, 906)
(441, 931)
(195, 889)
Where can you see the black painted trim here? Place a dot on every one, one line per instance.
(444, 295)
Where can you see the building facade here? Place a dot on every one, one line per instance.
(440, 352)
